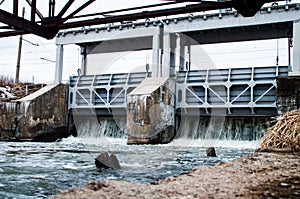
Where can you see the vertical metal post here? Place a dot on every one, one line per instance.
(26, 88)
(59, 63)
(33, 10)
(15, 7)
(296, 46)
(51, 8)
(17, 78)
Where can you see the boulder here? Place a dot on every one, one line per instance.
(210, 151)
(104, 160)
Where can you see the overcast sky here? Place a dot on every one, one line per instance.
(38, 54)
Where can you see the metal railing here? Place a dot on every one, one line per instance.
(241, 91)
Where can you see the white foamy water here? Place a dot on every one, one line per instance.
(239, 144)
(182, 142)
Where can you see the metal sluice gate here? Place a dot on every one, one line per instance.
(234, 91)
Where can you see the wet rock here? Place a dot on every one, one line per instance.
(210, 151)
(8, 139)
(104, 160)
(51, 134)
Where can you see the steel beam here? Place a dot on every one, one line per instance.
(15, 7)
(36, 10)
(148, 14)
(33, 10)
(65, 8)
(27, 26)
(12, 33)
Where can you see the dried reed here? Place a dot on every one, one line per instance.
(285, 133)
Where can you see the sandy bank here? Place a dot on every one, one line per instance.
(259, 175)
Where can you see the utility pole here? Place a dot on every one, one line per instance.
(19, 54)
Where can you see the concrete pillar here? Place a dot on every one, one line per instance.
(296, 46)
(59, 63)
(188, 64)
(177, 52)
(182, 58)
(166, 55)
(156, 70)
(83, 54)
(173, 60)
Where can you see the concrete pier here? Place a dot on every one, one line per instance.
(288, 94)
(150, 112)
(40, 116)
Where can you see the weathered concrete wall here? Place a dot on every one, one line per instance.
(40, 116)
(150, 112)
(8, 119)
(288, 93)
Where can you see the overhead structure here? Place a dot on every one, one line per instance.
(48, 26)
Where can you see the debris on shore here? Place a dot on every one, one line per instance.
(13, 91)
(284, 134)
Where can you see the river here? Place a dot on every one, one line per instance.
(38, 170)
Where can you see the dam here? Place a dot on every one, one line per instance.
(199, 91)
(177, 90)
(175, 95)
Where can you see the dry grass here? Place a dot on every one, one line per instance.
(285, 133)
(6, 80)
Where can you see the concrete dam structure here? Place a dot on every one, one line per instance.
(40, 116)
(198, 91)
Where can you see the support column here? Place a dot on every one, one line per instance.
(59, 63)
(83, 53)
(188, 63)
(296, 46)
(156, 70)
(173, 56)
(166, 55)
(177, 52)
(182, 58)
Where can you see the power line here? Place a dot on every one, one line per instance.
(42, 58)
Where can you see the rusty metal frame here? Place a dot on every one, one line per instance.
(49, 26)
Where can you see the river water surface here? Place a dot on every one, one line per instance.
(38, 170)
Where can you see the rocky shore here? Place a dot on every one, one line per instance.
(259, 175)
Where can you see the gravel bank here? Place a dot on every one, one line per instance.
(259, 175)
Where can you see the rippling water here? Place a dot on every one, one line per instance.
(38, 170)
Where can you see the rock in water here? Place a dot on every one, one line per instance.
(210, 151)
(104, 160)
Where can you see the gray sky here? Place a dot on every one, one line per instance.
(41, 70)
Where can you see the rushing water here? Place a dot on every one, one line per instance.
(37, 170)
